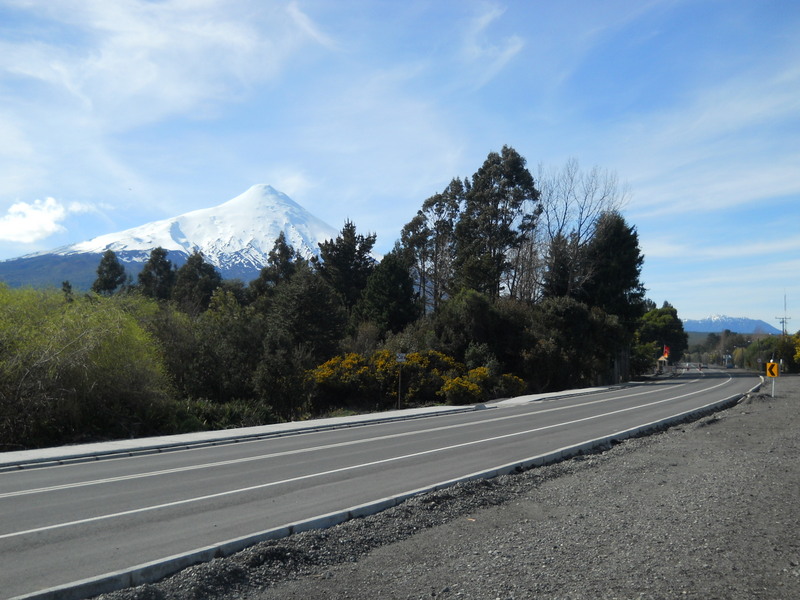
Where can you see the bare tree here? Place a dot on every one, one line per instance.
(573, 201)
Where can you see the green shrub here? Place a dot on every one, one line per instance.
(204, 415)
(509, 386)
(79, 370)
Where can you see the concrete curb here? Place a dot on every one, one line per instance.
(63, 455)
(159, 569)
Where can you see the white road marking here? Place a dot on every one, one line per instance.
(68, 486)
(339, 470)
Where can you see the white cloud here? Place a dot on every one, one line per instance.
(30, 222)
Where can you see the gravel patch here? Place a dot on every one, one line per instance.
(708, 509)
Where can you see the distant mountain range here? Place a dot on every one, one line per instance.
(236, 237)
(719, 323)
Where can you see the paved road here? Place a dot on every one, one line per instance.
(64, 523)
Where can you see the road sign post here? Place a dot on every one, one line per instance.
(773, 372)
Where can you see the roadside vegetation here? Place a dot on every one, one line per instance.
(500, 285)
(746, 351)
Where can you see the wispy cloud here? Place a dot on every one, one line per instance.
(486, 53)
(724, 147)
(79, 78)
(664, 248)
(148, 60)
(304, 22)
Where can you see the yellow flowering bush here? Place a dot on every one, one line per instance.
(478, 385)
(466, 389)
(510, 386)
(353, 380)
(346, 380)
(424, 374)
(368, 383)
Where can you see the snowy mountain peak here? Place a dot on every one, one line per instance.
(259, 198)
(236, 237)
(238, 233)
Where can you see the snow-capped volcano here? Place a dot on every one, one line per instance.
(238, 233)
(236, 237)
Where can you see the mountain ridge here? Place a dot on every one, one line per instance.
(719, 323)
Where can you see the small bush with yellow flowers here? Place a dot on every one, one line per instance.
(422, 378)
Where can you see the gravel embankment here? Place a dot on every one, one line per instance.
(708, 509)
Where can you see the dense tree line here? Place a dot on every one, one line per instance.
(497, 286)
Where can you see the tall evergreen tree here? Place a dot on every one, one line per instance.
(388, 298)
(195, 282)
(663, 328)
(66, 289)
(558, 278)
(346, 262)
(614, 262)
(157, 277)
(282, 263)
(309, 312)
(305, 323)
(110, 274)
(492, 222)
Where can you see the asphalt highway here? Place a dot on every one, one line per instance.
(60, 524)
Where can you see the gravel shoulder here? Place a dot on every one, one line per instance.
(708, 509)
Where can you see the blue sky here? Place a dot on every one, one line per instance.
(114, 113)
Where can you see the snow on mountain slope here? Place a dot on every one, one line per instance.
(238, 233)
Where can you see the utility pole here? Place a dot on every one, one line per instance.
(784, 318)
